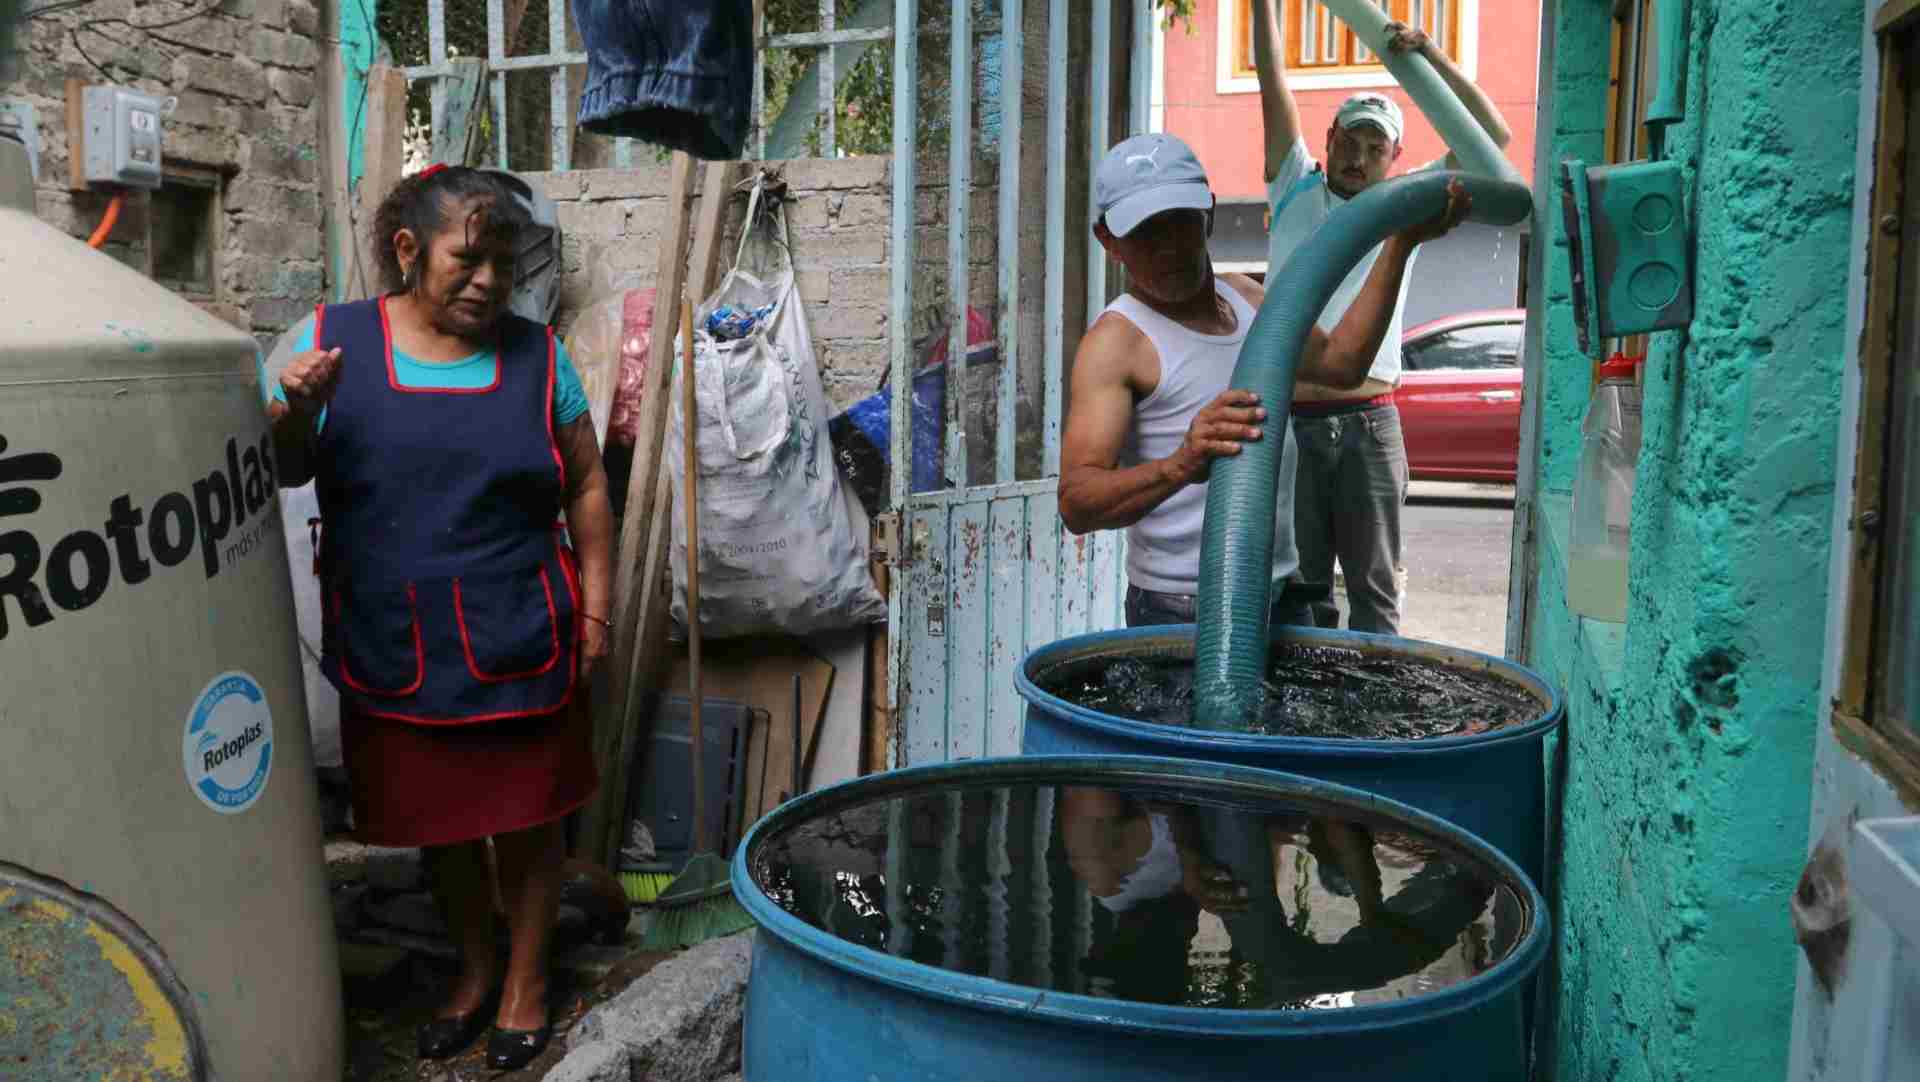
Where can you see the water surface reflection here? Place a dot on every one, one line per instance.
(1148, 895)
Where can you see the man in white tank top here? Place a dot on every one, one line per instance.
(1149, 408)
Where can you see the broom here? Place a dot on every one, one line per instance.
(699, 904)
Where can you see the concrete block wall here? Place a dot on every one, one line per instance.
(1691, 727)
(246, 74)
(839, 218)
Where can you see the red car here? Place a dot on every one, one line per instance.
(1459, 396)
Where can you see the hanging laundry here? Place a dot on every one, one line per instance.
(678, 73)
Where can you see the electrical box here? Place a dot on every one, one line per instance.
(1630, 246)
(21, 121)
(122, 129)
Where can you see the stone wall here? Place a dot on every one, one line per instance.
(246, 75)
(1691, 728)
(839, 220)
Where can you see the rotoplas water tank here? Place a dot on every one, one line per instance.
(163, 902)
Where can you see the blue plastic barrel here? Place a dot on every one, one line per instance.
(1491, 783)
(822, 1007)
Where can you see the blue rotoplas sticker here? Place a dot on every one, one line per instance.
(227, 748)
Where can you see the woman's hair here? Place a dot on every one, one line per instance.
(421, 203)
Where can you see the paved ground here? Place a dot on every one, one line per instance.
(1456, 539)
(1455, 542)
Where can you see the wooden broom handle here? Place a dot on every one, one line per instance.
(689, 419)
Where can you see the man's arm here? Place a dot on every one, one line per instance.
(1279, 113)
(1343, 358)
(1096, 493)
(1404, 39)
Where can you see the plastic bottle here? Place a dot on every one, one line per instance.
(1603, 495)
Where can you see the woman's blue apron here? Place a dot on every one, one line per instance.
(449, 593)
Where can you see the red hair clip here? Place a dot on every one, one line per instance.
(432, 169)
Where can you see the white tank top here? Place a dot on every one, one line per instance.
(1163, 549)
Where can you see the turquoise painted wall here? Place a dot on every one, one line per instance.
(1691, 728)
(359, 48)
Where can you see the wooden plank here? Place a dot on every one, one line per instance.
(653, 580)
(1895, 15)
(76, 125)
(878, 732)
(383, 154)
(640, 602)
(759, 671)
(1006, 617)
(456, 134)
(924, 667)
(615, 733)
(703, 269)
(1879, 347)
(967, 627)
(1894, 765)
(877, 737)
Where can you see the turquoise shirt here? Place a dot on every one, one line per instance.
(569, 397)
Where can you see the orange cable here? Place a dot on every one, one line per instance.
(107, 221)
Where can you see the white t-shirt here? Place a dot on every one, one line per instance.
(1300, 200)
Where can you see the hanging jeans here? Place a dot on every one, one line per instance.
(678, 73)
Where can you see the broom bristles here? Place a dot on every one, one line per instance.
(698, 906)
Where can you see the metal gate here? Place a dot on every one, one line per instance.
(986, 572)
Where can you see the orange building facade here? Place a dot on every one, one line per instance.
(1210, 96)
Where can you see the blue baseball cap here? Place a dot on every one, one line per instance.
(1145, 175)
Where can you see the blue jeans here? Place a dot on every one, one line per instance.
(1145, 608)
(674, 72)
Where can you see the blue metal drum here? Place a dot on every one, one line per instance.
(1491, 783)
(1129, 918)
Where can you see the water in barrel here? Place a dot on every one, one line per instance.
(1143, 894)
(1311, 690)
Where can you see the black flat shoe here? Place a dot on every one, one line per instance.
(446, 1037)
(512, 1049)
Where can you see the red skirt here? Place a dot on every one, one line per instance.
(416, 785)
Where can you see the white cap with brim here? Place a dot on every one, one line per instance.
(1148, 175)
(1376, 109)
(1126, 215)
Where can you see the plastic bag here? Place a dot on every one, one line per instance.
(783, 544)
(636, 338)
(608, 342)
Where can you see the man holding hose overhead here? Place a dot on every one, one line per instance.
(1352, 477)
(1149, 409)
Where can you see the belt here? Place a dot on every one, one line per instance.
(1338, 406)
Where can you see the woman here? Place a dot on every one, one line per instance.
(446, 437)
